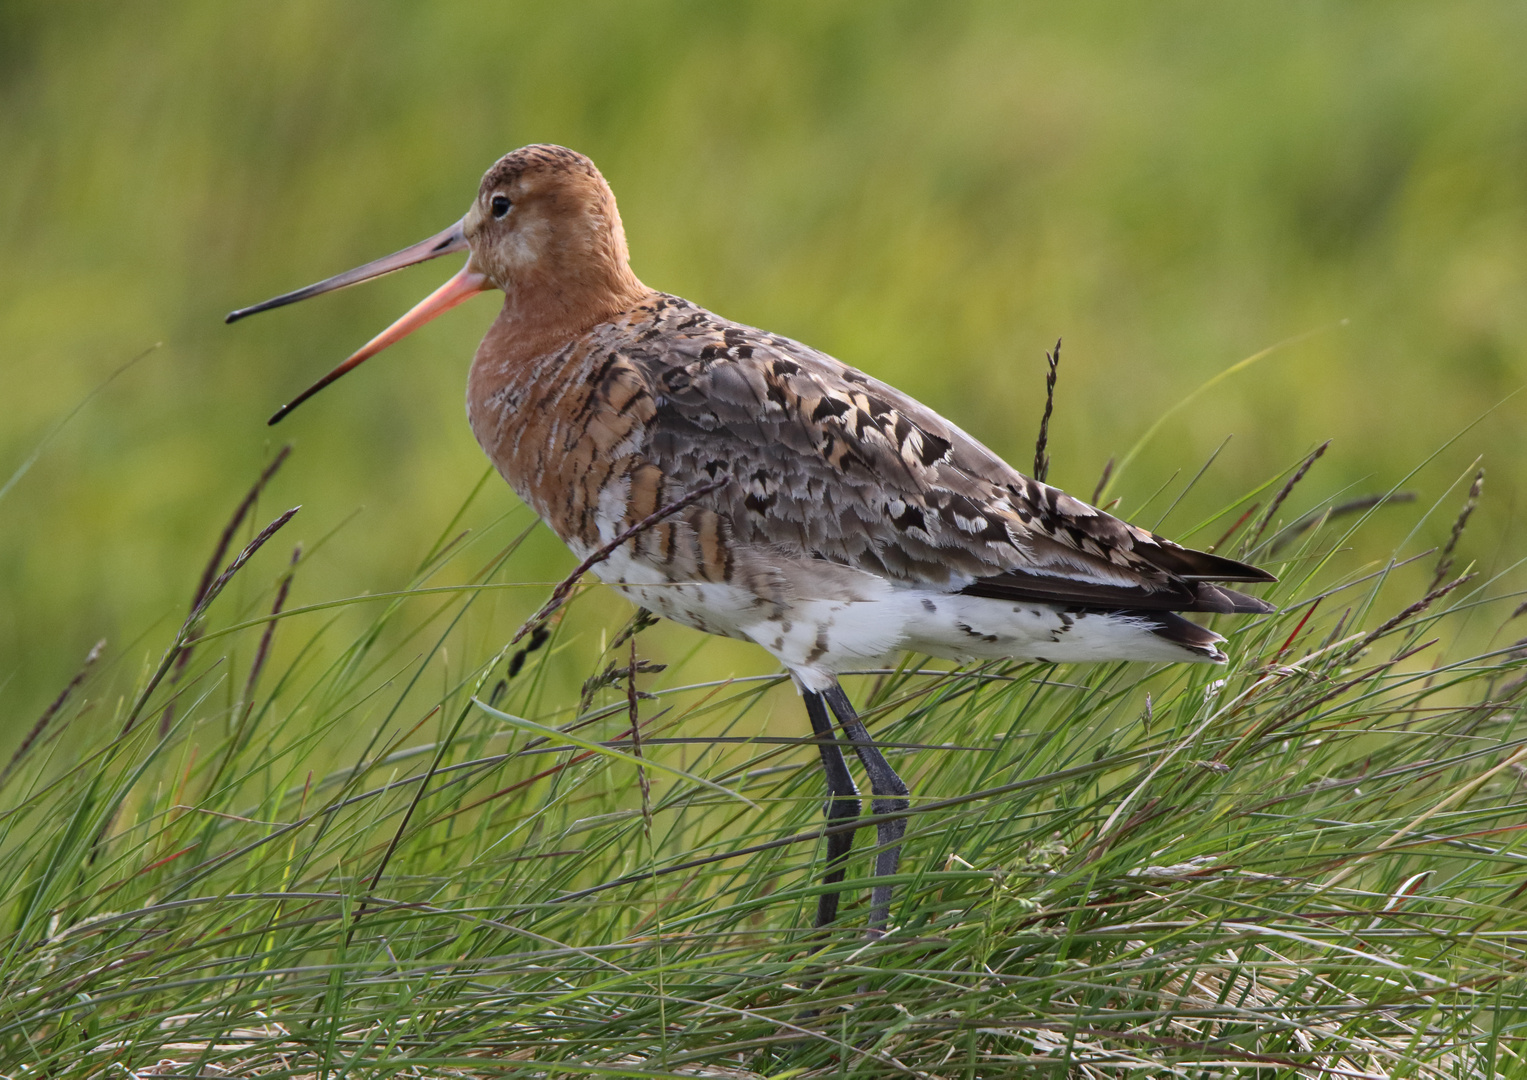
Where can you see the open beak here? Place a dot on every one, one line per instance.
(467, 283)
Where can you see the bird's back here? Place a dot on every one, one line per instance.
(840, 489)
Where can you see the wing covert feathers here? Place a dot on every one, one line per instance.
(829, 464)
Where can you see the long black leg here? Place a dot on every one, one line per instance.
(890, 798)
(842, 803)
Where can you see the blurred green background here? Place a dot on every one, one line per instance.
(932, 192)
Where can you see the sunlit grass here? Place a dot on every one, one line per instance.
(1305, 863)
(933, 194)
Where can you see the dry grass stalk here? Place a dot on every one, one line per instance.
(187, 635)
(1410, 613)
(636, 740)
(1283, 493)
(51, 711)
(1097, 492)
(1041, 456)
(1290, 533)
(1445, 560)
(536, 626)
(209, 572)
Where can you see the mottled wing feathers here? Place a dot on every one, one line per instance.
(829, 462)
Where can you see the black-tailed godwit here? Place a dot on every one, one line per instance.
(854, 523)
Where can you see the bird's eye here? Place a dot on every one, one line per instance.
(500, 205)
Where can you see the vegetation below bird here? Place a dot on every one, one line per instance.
(412, 854)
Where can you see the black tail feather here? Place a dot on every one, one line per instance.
(1098, 596)
(1193, 565)
(1180, 631)
(1213, 598)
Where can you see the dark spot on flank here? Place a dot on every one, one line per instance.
(995, 531)
(933, 449)
(709, 352)
(776, 394)
(959, 506)
(744, 352)
(733, 335)
(910, 518)
(850, 457)
(820, 648)
(714, 467)
(782, 367)
(759, 504)
(969, 631)
(830, 406)
(929, 606)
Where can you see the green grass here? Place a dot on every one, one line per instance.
(338, 863)
(931, 192)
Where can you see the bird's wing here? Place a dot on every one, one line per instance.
(828, 461)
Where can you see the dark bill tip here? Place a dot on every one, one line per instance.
(443, 243)
(465, 284)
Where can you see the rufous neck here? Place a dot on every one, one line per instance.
(542, 318)
(572, 302)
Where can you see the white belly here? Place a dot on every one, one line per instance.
(816, 637)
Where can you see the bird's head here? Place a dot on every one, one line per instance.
(545, 218)
(543, 229)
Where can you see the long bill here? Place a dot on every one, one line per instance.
(464, 285)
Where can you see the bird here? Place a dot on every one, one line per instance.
(840, 522)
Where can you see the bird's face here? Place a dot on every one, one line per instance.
(543, 229)
(543, 217)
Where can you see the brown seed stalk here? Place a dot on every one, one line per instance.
(210, 571)
(1445, 560)
(1041, 457)
(51, 711)
(535, 626)
(1283, 493)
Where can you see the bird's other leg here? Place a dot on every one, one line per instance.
(842, 802)
(890, 798)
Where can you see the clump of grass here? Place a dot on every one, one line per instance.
(1306, 863)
